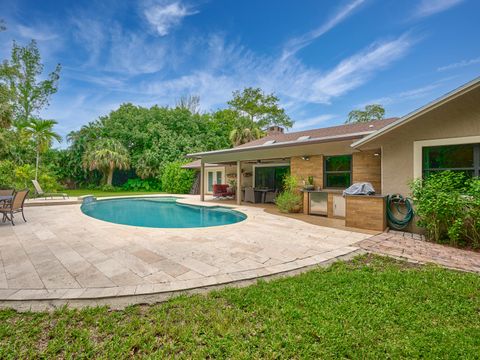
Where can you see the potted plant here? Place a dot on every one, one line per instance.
(308, 184)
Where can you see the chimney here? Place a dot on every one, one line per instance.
(275, 130)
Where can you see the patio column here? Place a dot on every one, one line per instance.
(239, 181)
(202, 180)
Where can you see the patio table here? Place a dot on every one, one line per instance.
(4, 199)
(263, 193)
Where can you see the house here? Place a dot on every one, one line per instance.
(442, 135)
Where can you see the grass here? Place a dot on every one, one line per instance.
(371, 307)
(100, 193)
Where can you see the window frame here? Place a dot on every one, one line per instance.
(269, 165)
(476, 161)
(326, 172)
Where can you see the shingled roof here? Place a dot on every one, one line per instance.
(339, 130)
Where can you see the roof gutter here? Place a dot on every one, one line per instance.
(420, 111)
(324, 139)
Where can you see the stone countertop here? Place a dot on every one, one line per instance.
(368, 196)
(335, 191)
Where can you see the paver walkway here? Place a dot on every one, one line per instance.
(60, 254)
(413, 247)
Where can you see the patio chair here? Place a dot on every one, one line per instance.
(40, 193)
(270, 196)
(249, 195)
(222, 191)
(16, 206)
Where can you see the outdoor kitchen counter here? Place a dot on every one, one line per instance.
(366, 212)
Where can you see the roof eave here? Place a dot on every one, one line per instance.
(282, 144)
(418, 112)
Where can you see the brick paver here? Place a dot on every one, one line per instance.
(414, 247)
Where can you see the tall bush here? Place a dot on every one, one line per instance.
(290, 199)
(20, 177)
(448, 207)
(175, 179)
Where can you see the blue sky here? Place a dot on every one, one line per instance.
(322, 58)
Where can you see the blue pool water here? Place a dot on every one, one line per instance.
(160, 212)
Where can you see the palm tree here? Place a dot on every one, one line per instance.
(41, 131)
(245, 131)
(106, 155)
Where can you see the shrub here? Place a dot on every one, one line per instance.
(142, 185)
(448, 207)
(20, 177)
(290, 200)
(109, 188)
(175, 179)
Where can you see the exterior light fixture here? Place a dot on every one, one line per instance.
(305, 157)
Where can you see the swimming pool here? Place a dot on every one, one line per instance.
(159, 212)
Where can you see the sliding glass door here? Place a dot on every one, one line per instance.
(270, 177)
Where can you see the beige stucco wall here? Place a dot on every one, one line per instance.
(456, 119)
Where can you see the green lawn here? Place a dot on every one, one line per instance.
(371, 307)
(100, 193)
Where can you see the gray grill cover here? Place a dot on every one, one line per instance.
(364, 188)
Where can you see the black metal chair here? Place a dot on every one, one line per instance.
(15, 206)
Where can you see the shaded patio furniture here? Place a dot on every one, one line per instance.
(15, 206)
(270, 196)
(6, 195)
(40, 193)
(262, 192)
(249, 195)
(222, 191)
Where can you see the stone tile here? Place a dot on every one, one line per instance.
(111, 267)
(62, 253)
(92, 277)
(172, 268)
(159, 277)
(148, 256)
(126, 278)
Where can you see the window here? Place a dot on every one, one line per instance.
(461, 158)
(270, 177)
(338, 171)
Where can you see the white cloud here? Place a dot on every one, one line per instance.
(164, 16)
(295, 44)
(230, 67)
(39, 34)
(430, 7)
(460, 64)
(317, 87)
(312, 122)
(407, 95)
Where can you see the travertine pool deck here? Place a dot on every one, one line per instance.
(61, 256)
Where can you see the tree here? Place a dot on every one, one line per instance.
(244, 131)
(6, 108)
(2, 25)
(106, 155)
(190, 102)
(261, 108)
(42, 134)
(28, 94)
(370, 112)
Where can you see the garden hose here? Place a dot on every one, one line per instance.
(403, 207)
